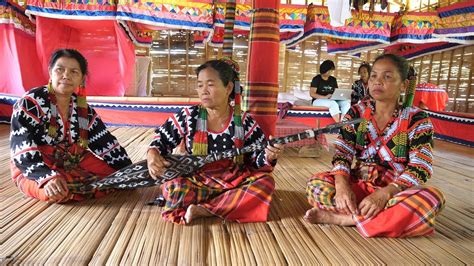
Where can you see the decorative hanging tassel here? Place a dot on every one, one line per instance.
(200, 137)
(239, 130)
(410, 93)
(82, 117)
(363, 128)
(53, 123)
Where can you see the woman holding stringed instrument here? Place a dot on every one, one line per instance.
(238, 189)
(383, 195)
(58, 143)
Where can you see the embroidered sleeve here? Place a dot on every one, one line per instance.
(25, 122)
(420, 153)
(345, 146)
(170, 134)
(104, 144)
(254, 134)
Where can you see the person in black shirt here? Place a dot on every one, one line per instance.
(322, 88)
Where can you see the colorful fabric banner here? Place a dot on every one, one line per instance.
(291, 22)
(335, 45)
(76, 9)
(414, 27)
(453, 127)
(412, 51)
(363, 26)
(456, 23)
(140, 34)
(177, 14)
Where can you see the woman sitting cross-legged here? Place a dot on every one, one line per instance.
(58, 142)
(238, 189)
(384, 194)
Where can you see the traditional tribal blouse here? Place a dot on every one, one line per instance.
(183, 126)
(380, 148)
(29, 129)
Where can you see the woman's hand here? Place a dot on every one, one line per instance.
(156, 163)
(273, 151)
(374, 203)
(56, 189)
(345, 198)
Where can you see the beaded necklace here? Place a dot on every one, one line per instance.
(82, 117)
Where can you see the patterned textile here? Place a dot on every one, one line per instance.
(12, 13)
(414, 27)
(432, 96)
(247, 201)
(409, 213)
(359, 92)
(382, 146)
(260, 96)
(456, 23)
(89, 169)
(87, 10)
(412, 51)
(363, 26)
(29, 129)
(225, 176)
(291, 21)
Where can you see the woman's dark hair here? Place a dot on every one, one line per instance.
(400, 62)
(366, 66)
(326, 66)
(70, 53)
(226, 72)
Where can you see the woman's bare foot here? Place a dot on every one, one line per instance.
(318, 216)
(195, 211)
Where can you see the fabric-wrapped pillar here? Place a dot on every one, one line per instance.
(261, 93)
(228, 44)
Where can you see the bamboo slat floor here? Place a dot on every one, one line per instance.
(122, 229)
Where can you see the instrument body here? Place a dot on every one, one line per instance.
(137, 175)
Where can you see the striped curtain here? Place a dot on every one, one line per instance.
(261, 93)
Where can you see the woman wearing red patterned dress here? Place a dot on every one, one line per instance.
(384, 194)
(235, 190)
(58, 143)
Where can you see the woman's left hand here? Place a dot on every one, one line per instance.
(374, 203)
(273, 151)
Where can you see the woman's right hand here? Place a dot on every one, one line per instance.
(56, 189)
(156, 163)
(345, 198)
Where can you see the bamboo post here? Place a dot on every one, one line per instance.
(419, 70)
(303, 47)
(319, 54)
(285, 72)
(352, 72)
(469, 86)
(449, 73)
(458, 78)
(169, 62)
(429, 70)
(440, 67)
(186, 84)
